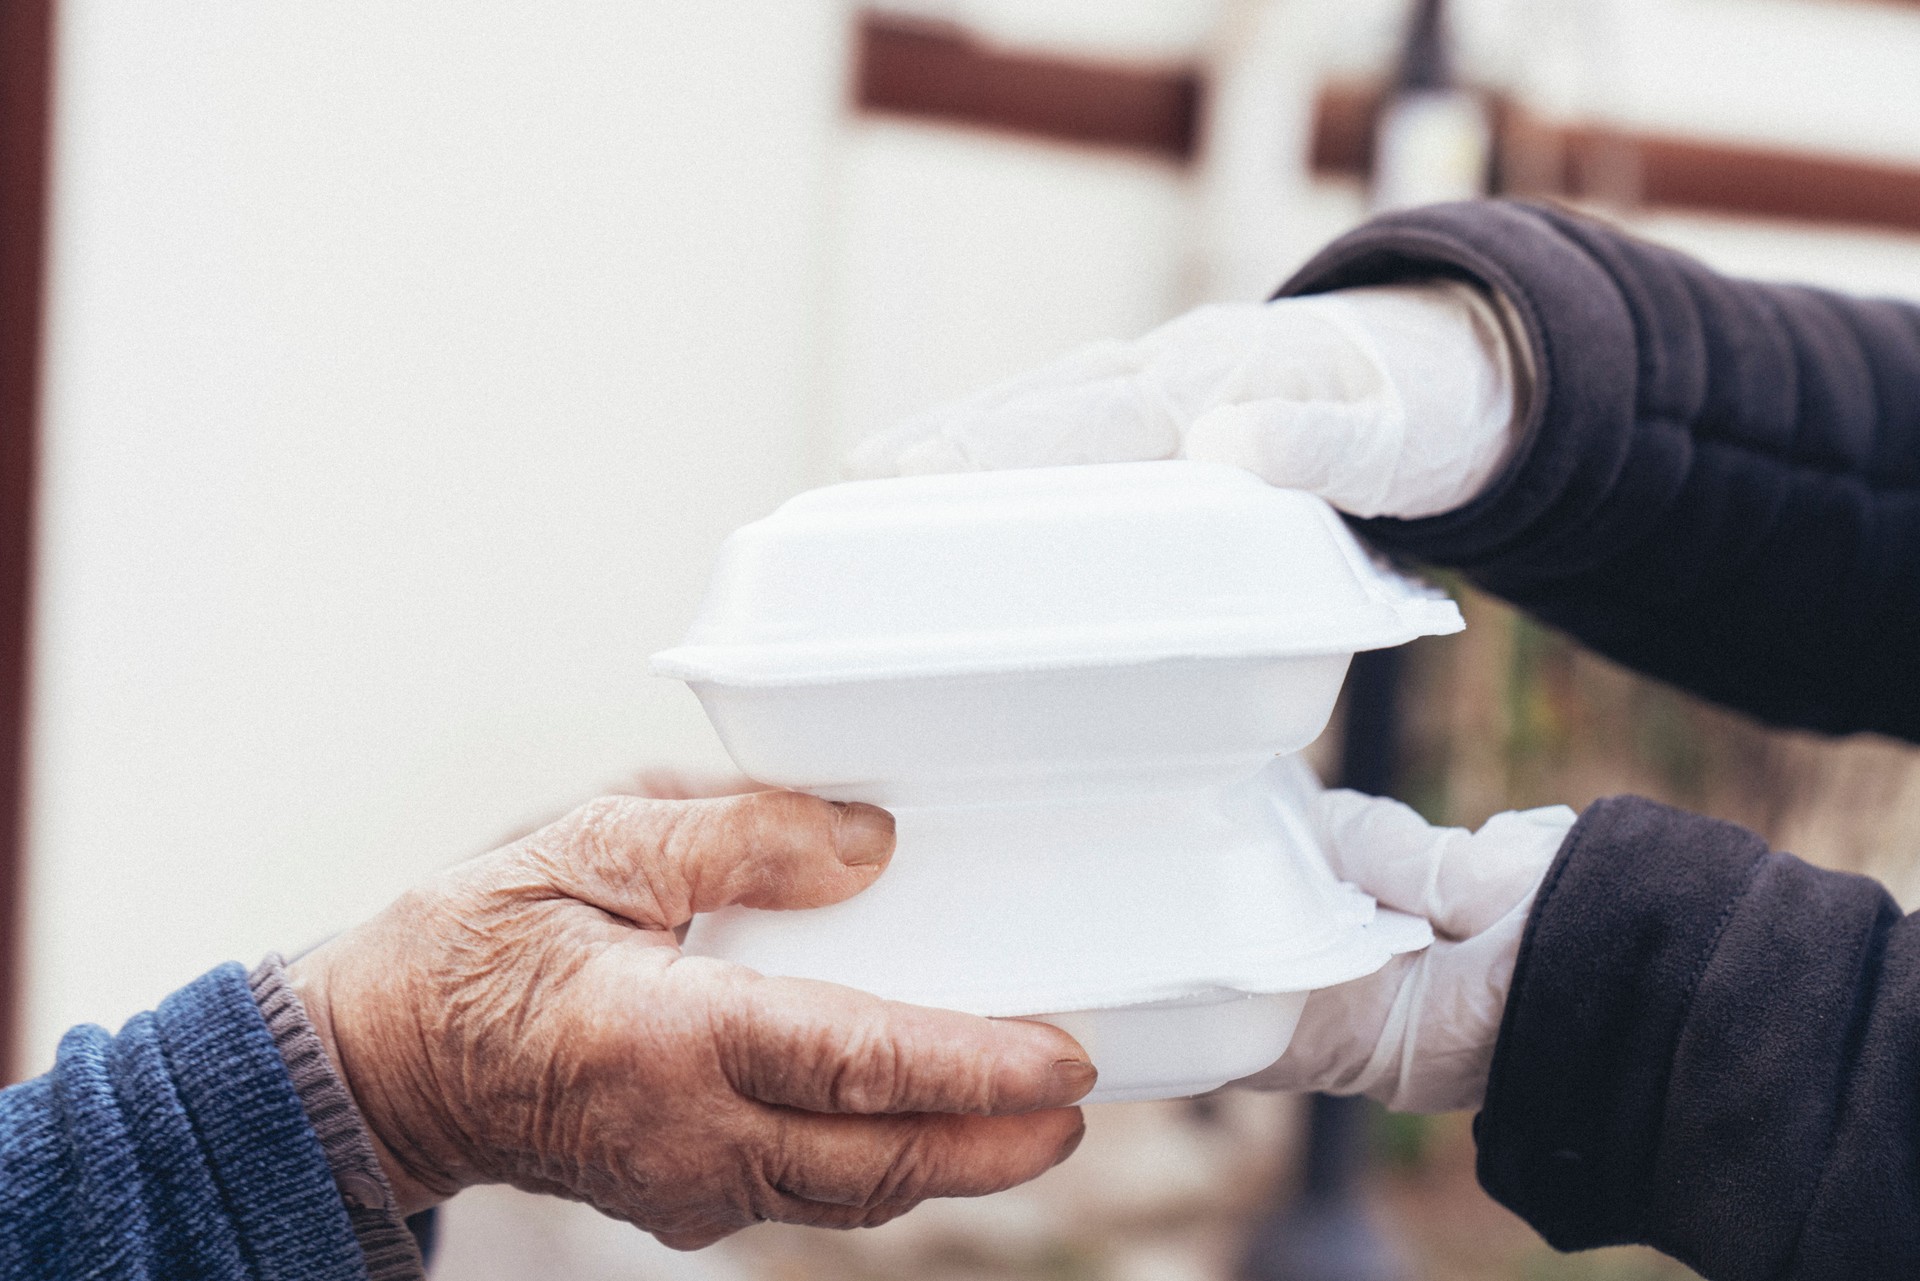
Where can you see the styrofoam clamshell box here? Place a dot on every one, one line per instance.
(1072, 686)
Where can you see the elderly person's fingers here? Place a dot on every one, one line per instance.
(861, 1172)
(525, 1019)
(811, 1214)
(657, 863)
(865, 1162)
(825, 1048)
(694, 1239)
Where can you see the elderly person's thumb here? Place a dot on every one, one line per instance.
(656, 864)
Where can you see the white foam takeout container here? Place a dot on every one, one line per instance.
(1070, 686)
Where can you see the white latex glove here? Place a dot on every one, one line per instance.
(1418, 1035)
(1390, 401)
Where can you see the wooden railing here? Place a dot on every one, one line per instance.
(938, 72)
(1645, 170)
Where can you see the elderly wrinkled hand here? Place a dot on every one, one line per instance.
(528, 1018)
(1391, 401)
(1419, 1034)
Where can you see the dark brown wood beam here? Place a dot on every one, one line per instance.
(1645, 170)
(26, 36)
(1346, 116)
(1662, 171)
(938, 72)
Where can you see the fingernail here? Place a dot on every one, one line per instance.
(863, 835)
(1072, 1145)
(1072, 1078)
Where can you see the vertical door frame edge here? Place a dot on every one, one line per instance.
(26, 111)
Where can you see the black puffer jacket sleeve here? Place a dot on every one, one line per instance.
(1719, 481)
(1712, 1049)
(1709, 1047)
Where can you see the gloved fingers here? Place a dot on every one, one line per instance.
(1436, 1048)
(1386, 849)
(1441, 348)
(944, 438)
(1125, 402)
(1112, 420)
(1393, 401)
(914, 445)
(1087, 363)
(1234, 353)
(888, 453)
(1389, 401)
(1499, 867)
(1417, 1035)
(1336, 1034)
(1207, 329)
(1436, 1044)
(1377, 1072)
(1347, 452)
(1460, 881)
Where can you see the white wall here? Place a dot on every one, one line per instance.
(407, 364)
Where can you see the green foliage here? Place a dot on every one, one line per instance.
(1543, 711)
(1401, 1141)
(1669, 740)
(1066, 1262)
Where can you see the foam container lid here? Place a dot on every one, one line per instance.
(1043, 568)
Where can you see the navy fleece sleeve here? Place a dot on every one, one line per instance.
(176, 1149)
(1719, 480)
(1713, 1049)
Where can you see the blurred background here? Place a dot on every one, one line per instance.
(383, 378)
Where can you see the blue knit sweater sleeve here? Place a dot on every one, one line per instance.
(176, 1149)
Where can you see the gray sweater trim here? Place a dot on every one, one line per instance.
(390, 1250)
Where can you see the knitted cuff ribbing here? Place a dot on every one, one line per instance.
(391, 1253)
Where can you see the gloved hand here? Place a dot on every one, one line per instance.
(1391, 401)
(527, 1018)
(1418, 1035)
